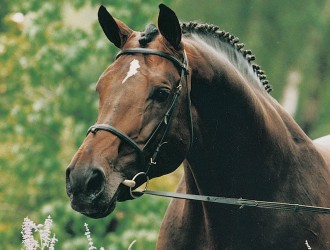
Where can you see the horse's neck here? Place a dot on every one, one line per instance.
(245, 146)
(244, 137)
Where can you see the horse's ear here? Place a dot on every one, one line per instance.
(116, 31)
(169, 26)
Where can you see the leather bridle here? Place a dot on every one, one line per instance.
(167, 118)
(183, 68)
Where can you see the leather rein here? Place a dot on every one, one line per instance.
(238, 202)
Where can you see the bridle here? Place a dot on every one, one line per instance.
(183, 68)
(167, 119)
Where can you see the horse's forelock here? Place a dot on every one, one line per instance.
(148, 35)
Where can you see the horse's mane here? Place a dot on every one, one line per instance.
(229, 44)
(222, 40)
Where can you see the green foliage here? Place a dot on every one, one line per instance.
(48, 100)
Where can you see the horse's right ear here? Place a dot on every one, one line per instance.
(169, 26)
(116, 31)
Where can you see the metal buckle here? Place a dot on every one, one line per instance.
(131, 191)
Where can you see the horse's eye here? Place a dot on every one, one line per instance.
(161, 95)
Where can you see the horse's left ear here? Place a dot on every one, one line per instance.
(169, 26)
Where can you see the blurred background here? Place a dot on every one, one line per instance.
(53, 52)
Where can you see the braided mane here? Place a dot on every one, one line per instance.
(227, 38)
(213, 32)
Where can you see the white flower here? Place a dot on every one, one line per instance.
(27, 233)
(52, 243)
(45, 232)
(89, 238)
(29, 227)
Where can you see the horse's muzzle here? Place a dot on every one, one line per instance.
(86, 189)
(88, 182)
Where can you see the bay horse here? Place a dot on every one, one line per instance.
(189, 92)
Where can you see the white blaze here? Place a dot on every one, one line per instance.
(132, 69)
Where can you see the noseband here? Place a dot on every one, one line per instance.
(167, 118)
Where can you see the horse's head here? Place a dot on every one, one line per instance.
(144, 109)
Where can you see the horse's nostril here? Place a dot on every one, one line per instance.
(68, 182)
(95, 183)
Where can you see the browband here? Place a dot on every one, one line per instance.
(144, 51)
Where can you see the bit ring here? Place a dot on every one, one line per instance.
(131, 191)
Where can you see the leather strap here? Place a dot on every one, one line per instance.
(241, 202)
(184, 72)
(174, 60)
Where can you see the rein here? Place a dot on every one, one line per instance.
(238, 202)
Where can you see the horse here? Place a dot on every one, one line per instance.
(190, 92)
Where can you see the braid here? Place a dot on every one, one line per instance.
(228, 38)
